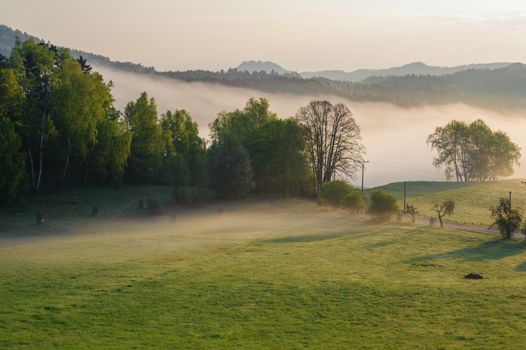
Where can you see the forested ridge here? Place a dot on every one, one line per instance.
(503, 87)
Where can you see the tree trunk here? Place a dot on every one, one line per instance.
(41, 154)
(441, 223)
(86, 172)
(67, 163)
(32, 166)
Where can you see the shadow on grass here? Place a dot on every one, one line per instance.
(521, 267)
(489, 250)
(407, 236)
(309, 238)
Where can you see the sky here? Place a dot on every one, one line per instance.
(298, 34)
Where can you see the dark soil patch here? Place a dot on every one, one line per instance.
(473, 276)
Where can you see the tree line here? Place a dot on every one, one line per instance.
(59, 129)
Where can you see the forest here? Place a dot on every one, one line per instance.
(60, 130)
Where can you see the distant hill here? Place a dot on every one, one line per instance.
(8, 39)
(260, 66)
(473, 199)
(497, 86)
(417, 68)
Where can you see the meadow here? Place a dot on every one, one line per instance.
(472, 200)
(264, 274)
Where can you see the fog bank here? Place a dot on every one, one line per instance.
(394, 137)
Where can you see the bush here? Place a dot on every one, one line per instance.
(341, 194)
(411, 210)
(383, 205)
(334, 193)
(506, 219)
(354, 201)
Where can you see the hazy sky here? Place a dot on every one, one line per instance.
(298, 34)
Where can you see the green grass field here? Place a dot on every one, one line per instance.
(263, 275)
(473, 200)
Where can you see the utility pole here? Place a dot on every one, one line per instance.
(509, 217)
(405, 196)
(363, 170)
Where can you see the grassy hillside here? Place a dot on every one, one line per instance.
(262, 275)
(473, 200)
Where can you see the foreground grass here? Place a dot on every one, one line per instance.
(473, 200)
(272, 275)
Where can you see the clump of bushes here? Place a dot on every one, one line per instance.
(383, 205)
(341, 194)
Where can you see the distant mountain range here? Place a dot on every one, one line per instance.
(416, 68)
(495, 85)
(8, 37)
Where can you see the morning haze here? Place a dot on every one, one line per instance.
(301, 35)
(262, 175)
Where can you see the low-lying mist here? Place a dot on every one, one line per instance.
(394, 137)
(210, 227)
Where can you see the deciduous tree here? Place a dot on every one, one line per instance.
(148, 142)
(446, 207)
(333, 140)
(12, 171)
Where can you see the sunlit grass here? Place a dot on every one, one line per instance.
(473, 200)
(263, 275)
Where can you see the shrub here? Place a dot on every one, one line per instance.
(354, 201)
(411, 210)
(507, 220)
(383, 205)
(334, 193)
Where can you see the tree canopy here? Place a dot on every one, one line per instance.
(333, 140)
(473, 152)
(275, 147)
